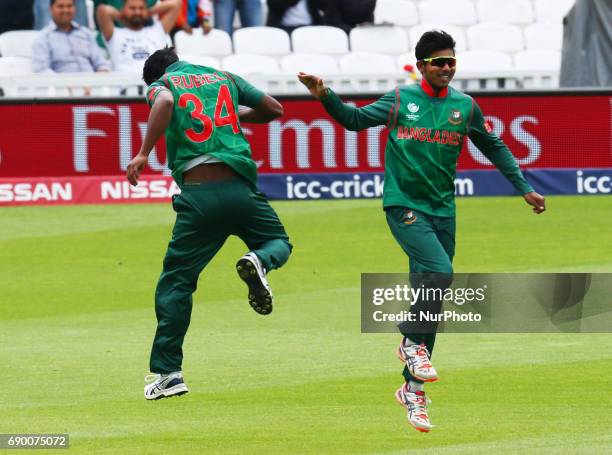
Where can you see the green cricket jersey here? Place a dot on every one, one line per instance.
(205, 117)
(426, 134)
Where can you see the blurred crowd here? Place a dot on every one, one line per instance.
(128, 31)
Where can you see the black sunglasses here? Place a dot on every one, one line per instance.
(441, 61)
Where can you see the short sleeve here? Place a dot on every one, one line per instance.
(248, 94)
(155, 89)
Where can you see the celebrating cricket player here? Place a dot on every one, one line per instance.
(210, 160)
(428, 124)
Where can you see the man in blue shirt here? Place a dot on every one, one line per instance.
(66, 47)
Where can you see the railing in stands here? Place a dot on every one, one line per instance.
(116, 84)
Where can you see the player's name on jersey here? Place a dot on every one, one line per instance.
(428, 135)
(196, 80)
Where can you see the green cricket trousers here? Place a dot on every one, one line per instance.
(429, 242)
(206, 214)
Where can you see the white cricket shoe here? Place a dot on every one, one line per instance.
(416, 405)
(164, 385)
(251, 271)
(417, 360)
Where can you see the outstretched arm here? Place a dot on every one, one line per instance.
(498, 153)
(106, 16)
(168, 11)
(159, 119)
(350, 117)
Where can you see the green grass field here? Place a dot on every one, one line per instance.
(77, 320)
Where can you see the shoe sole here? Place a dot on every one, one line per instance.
(260, 298)
(403, 360)
(403, 405)
(176, 391)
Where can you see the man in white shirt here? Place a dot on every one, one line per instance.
(130, 46)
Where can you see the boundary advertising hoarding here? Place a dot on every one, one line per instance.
(76, 150)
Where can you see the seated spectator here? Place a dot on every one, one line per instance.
(347, 14)
(131, 45)
(16, 15)
(65, 46)
(42, 15)
(118, 4)
(291, 14)
(194, 14)
(250, 12)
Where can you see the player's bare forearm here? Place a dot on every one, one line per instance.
(159, 119)
(268, 110)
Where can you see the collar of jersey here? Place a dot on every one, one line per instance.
(431, 92)
(176, 65)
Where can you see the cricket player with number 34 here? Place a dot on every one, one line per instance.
(427, 124)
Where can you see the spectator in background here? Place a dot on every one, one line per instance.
(131, 45)
(64, 46)
(193, 14)
(118, 4)
(250, 12)
(42, 14)
(347, 14)
(291, 14)
(16, 15)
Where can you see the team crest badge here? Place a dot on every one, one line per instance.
(409, 217)
(455, 117)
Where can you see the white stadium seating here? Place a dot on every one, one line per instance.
(362, 62)
(18, 43)
(407, 58)
(506, 11)
(15, 66)
(243, 64)
(544, 36)
(538, 59)
(495, 37)
(309, 63)
(473, 61)
(455, 31)
(320, 39)
(552, 10)
(397, 12)
(383, 40)
(459, 12)
(217, 43)
(262, 40)
(198, 59)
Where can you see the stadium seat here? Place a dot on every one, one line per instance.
(406, 59)
(455, 31)
(544, 36)
(15, 66)
(309, 63)
(262, 40)
(457, 12)
(363, 62)
(495, 37)
(379, 39)
(320, 39)
(216, 43)
(397, 12)
(203, 60)
(473, 61)
(244, 64)
(538, 59)
(505, 11)
(552, 10)
(18, 43)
